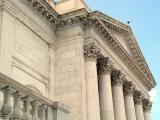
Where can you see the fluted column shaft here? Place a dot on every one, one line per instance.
(147, 105)
(117, 93)
(128, 100)
(93, 111)
(105, 92)
(137, 95)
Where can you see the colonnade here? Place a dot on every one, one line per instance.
(109, 95)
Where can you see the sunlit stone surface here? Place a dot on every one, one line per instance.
(61, 61)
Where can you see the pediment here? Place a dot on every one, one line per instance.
(124, 36)
(121, 38)
(125, 41)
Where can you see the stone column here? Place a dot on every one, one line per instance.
(90, 54)
(137, 95)
(147, 105)
(104, 67)
(128, 100)
(117, 93)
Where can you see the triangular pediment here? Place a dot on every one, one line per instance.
(121, 38)
(123, 35)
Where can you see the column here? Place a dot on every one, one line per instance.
(128, 100)
(117, 93)
(147, 105)
(90, 54)
(104, 67)
(137, 95)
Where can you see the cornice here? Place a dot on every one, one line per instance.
(11, 8)
(45, 9)
(110, 22)
(137, 55)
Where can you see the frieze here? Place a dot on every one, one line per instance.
(104, 65)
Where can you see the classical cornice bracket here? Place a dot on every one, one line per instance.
(45, 9)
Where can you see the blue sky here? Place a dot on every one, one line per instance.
(145, 23)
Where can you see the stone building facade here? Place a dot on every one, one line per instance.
(61, 61)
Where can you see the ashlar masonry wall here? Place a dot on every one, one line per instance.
(25, 45)
(70, 78)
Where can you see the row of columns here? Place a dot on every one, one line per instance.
(109, 95)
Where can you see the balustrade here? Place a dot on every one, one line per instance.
(19, 103)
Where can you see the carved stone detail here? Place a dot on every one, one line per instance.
(50, 14)
(91, 51)
(16, 107)
(41, 112)
(128, 88)
(104, 65)
(35, 110)
(137, 96)
(147, 105)
(26, 113)
(6, 107)
(117, 77)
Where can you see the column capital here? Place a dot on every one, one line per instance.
(137, 96)
(104, 65)
(91, 51)
(147, 105)
(117, 77)
(128, 88)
